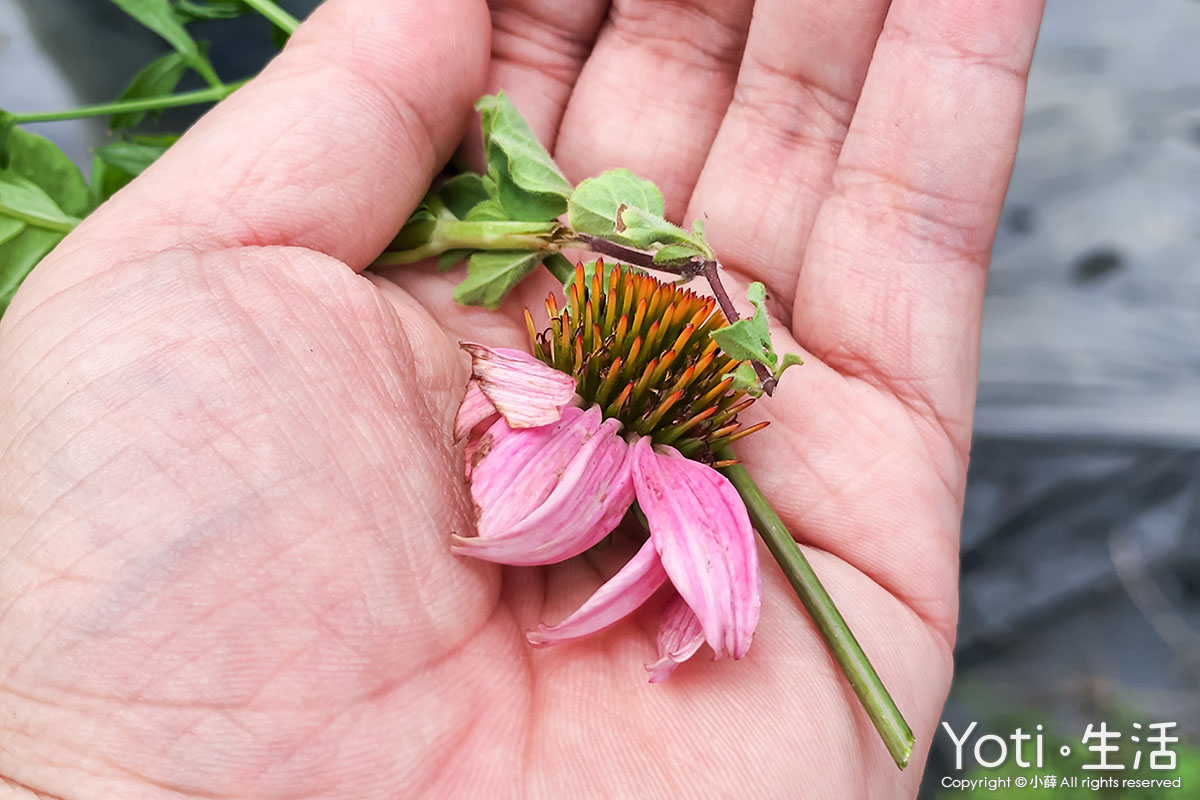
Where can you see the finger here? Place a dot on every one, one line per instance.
(892, 284)
(538, 50)
(653, 93)
(330, 148)
(777, 146)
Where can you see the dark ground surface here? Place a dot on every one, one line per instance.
(1081, 535)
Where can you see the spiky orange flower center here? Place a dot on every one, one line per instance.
(639, 349)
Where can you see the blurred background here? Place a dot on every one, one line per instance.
(1081, 536)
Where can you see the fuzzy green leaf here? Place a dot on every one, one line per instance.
(9, 228)
(789, 360)
(132, 157)
(19, 255)
(39, 160)
(748, 339)
(530, 185)
(491, 274)
(645, 230)
(594, 204)
(675, 255)
(24, 200)
(417, 231)
(451, 258)
(157, 79)
(462, 193)
(745, 379)
(487, 211)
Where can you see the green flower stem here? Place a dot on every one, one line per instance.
(210, 95)
(453, 234)
(65, 225)
(278, 17)
(880, 707)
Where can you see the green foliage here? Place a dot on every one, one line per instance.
(19, 255)
(594, 206)
(491, 274)
(530, 185)
(192, 10)
(462, 193)
(160, 17)
(134, 155)
(452, 258)
(749, 339)
(623, 208)
(40, 161)
(158, 79)
(24, 200)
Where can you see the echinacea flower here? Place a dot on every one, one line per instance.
(625, 398)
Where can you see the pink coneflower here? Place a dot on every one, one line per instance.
(624, 399)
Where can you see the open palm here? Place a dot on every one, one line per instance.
(228, 476)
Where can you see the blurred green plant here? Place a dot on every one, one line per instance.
(43, 195)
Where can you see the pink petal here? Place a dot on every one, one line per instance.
(679, 637)
(474, 409)
(617, 598)
(525, 391)
(700, 527)
(522, 466)
(586, 502)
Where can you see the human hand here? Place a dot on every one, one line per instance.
(223, 544)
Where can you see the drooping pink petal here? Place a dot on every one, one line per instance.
(589, 498)
(474, 410)
(526, 392)
(522, 466)
(700, 527)
(617, 598)
(679, 637)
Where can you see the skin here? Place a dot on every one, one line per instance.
(229, 481)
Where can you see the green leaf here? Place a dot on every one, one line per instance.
(530, 185)
(451, 258)
(789, 360)
(745, 379)
(158, 16)
(157, 79)
(594, 204)
(19, 255)
(40, 161)
(487, 211)
(189, 10)
(748, 339)
(491, 274)
(22, 199)
(132, 157)
(416, 231)
(675, 255)
(462, 193)
(106, 180)
(645, 230)
(9, 228)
